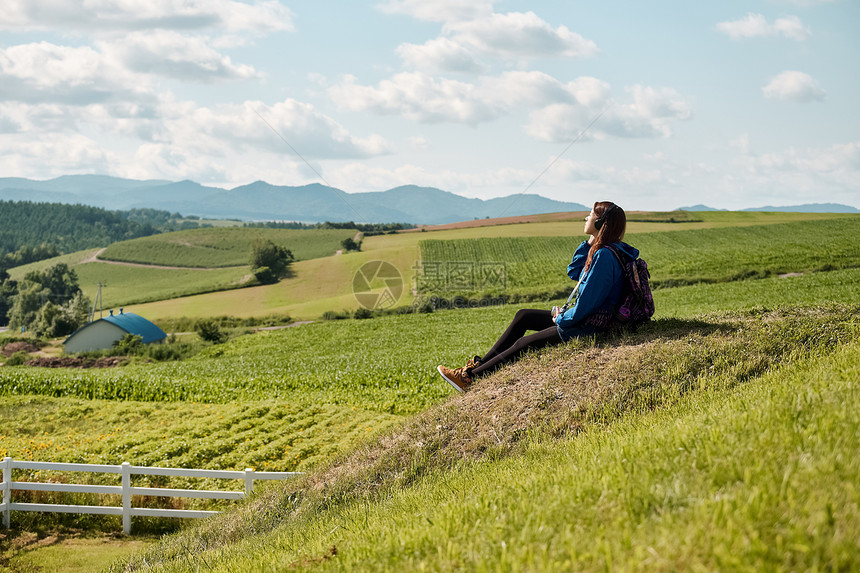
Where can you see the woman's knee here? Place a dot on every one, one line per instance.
(522, 313)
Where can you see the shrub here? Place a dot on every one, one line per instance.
(349, 244)
(128, 345)
(269, 261)
(362, 313)
(18, 358)
(209, 331)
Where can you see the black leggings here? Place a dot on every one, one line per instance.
(513, 343)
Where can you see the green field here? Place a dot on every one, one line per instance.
(223, 247)
(681, 257)
(265, 435)
(540, 251)
(325, 284)
(721, 436)
(753, 477)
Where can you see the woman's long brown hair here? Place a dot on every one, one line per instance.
(611, 231)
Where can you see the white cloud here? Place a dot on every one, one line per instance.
(417, 96)
(649, 114)
(559, 111)
(60, 153)
(439, 10)
(440, 54)
(839, 160)
(810, 175)
(46, 72)
(756, 25)
(742, 143)
(171, 54)
(418, 142)
(794, 86)
(171, 139)
(109, 16)
(427, 99)
(518, 36)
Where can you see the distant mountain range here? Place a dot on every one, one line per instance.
(807, 208)
(263, 201)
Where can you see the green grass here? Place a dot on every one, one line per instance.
(76, 554)
(808, 289)
(224, 247)
(491, 472)
(385, 364)
(135, 285)
(536, 264)
(706, 441)
(270, 435)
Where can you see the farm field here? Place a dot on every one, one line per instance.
(532, 264)
(324, 283)
(223, 247)
(680, 257)
(359, 405)
(268, 435)
(311, 363)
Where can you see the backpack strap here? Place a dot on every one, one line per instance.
(614, 251)
(624, 270)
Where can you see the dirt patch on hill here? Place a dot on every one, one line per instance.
(76, 362)
(14, 347)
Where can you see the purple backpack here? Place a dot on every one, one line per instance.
(636, 304)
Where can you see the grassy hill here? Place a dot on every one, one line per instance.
(225, 247)
(721, 436)
(721, 247)
(645, 463)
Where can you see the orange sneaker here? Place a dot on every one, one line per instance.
(458, 377)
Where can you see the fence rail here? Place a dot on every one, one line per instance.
(126, 470)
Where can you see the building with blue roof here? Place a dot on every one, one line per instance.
(105, 332)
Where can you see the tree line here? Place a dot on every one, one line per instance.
(35, 231)
(367, 229)
(46, 302)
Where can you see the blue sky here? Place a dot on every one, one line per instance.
(730, 104)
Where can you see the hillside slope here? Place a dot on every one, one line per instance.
(428, 494)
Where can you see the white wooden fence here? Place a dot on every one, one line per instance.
(125, 490)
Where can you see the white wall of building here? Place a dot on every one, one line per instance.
(95, 336)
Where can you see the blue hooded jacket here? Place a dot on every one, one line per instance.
(599, 287)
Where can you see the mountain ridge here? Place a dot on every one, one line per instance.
(261, 200)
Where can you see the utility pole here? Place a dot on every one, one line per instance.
(97, 300)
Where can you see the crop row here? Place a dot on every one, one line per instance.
(386, 364)
(674, 258)
(266, 435)
(224, 247)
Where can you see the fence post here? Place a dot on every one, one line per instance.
(126, 498)
(7, 491)
(249, 481)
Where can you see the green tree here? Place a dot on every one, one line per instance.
(49, 302)
(349, 244)
(8, 288)
(29, 298)
(209, 331)
(60, 280)
(54, 320)
(269, 262)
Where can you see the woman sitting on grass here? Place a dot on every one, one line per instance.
(600, 278)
